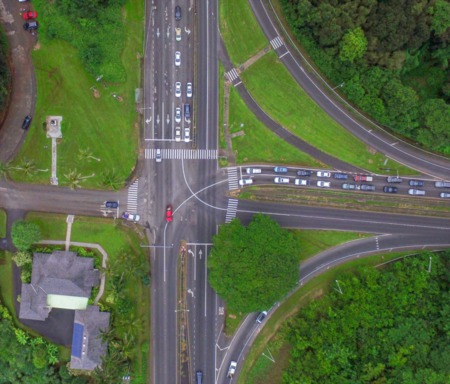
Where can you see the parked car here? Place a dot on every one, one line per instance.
(178, 34)
(304, 172)
(31, 25)
(131, 216)
(29, 15)
(177, 89)
(302, 182)
(442, 184)
(416, 183)
(444, 195)
(177, 58)
(158, 156)
(394, 179)
(280, 170)
(111, 204)
(189, 90)
(169, 213)
(323, 184)
(367, 187)
(178, 134)
(178, 114)
(178, 13)
(349, 186)
(323, 174)
(281, 180)
(340, 176)
(362, 178)
(388, 189)
(245, 182)
(26, 122)
(261, 317)
(416, 192)
(250, 171)
(187, 134)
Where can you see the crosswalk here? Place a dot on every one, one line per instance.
(232, 179)
(133, 197)
(190, 154)
(231, 210)
(232, 75)
(276, 42)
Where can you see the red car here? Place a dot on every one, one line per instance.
(169, 216)
(30, 15)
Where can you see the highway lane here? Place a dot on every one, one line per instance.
(383, 142)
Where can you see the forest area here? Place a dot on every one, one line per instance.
(389, 58)
(389, 325)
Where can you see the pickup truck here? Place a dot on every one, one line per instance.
(232, 369)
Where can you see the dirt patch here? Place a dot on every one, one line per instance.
(37, 46)
(96, 93)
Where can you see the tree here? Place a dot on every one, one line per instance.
(353, 45)
(253, 267)
(5, 170)
(441, 16)
(24, 234)
(22, 258)
(75, 178)
(112, 180)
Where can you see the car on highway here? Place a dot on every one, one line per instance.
(158, 156)
(187, 134)
(444, 195)
(349, 186)
(416, 192)
(304, 172)
(199, 377)
(31, 25)
(281, 180)
(387, 189)
(340, 176)
(250, 171)
(442, 184)
(243, 182)
(178, 114)
(187, 112)
(178, 134)
(363, 178)
(416, 183)
(177, 89)
(323, 174)
(280, 170)
(29, 15)
(261, 317)
(323, 184)
(178, 34)
(177, 58)
(302, 182)
(189, 90)
(367, 187)
(169, 213)
(111, 204)
(178, 13)
(394, 179)
(232, 368)
(131, 216)
(26, 122)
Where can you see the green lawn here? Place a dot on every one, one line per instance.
(240, 30)
(6, 281)
(259, 144)
(222, 141)
(3, 219)
(105, 126)
(285, 101)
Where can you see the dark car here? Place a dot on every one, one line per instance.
(348, 186)
(26, 122)
(199, 377)
(111, 204)
(367, 187)
(342, 176)
(304, 172)
(178, 13)
(261, 317)
(387, 189)
(187, 112)
(31, 25)
(416, 183)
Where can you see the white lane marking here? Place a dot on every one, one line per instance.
(276, 42)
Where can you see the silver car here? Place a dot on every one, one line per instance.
(177, 89)
(189, 90)
(281, 180)
(323, 184)
(177, 58)
(187, 135)
(178, 114)
(177, 134)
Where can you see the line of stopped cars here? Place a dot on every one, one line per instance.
(350, 182)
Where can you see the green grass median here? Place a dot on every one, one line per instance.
(3, 219)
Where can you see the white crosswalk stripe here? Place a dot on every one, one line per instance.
(191, 154)
(232, 75)
(132, 197)
(276, 43)
(232, 179)
(231, 210)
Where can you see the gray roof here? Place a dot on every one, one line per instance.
(92, 322)
(59, 273)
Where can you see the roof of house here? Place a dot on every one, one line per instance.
(61, 273)
(87, 345)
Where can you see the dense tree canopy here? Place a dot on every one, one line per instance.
(392, 56)
(253, 267)
(387, 326)
(5, 75)
(24, 234)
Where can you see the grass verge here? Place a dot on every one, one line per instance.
(222, 141)
(99, 124)
(258, 144)
(3, 219)
(240, 31)
(257, 368)
(6, 281)
(272, 86)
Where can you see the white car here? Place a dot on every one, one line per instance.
(178, 134)
(189, 90)
(178, 114)
(281, 180)
(178, 34)
(253, 170)
(323, 174)
(302, 182)
(243, 182)
(131, 216)
(177, 89)
(323, 184)
(158, 155)
(177, 58)
(232, 369)
(187, 135)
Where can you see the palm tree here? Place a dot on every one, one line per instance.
(4, 170)
(86, 154)
(112, 180)
(28, 167)
(75, 178)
